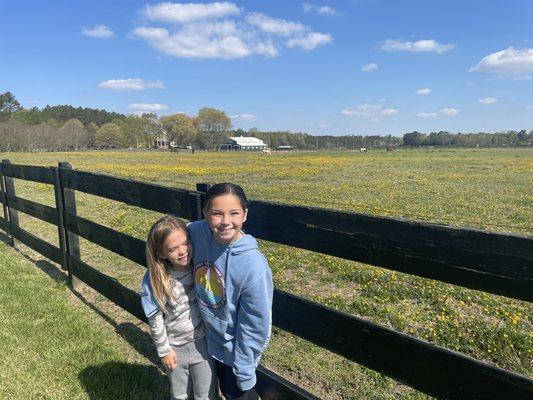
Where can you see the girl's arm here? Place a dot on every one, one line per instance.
(157, 324)
(160, 338)
(253, 329)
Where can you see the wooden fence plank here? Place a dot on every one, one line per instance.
(41, 246)
(497, 263)
(3, 199)
(426, 367)
(5, 219)
(60, 210)
(271, 386)
(119, 294)
(115, 241)
(37, 210)
(71, 240)
(140, 194)
(12, 216)
(30, 173)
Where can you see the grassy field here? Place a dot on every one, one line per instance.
(50, 349)
(487, 189)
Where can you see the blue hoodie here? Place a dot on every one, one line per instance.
(234, 290)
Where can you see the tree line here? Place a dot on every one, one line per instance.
(65, 127)
(479, 139)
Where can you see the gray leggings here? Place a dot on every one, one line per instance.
(194, 374)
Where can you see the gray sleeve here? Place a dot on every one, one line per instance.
(159, 334)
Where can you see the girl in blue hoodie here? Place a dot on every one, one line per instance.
(234, 289)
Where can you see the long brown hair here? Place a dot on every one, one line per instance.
(158, 268)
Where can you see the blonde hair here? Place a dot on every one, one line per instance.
(158, 268)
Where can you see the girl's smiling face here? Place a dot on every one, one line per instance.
(177, 249)
(225, 217)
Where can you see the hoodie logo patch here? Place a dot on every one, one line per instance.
(209, 283)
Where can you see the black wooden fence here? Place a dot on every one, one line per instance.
(491, 262)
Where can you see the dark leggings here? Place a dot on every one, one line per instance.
(228, 384)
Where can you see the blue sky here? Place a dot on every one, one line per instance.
(322, 67)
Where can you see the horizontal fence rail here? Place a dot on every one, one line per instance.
(120, 243)
(39, 245)
(412, 361)
(30, 173)
(492, 262)
(37, 210)
(180, 202)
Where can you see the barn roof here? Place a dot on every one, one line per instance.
(247, 141)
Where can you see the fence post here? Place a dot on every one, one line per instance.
(11, 215)
(203, 187)
(195, 208)
(71, 241)
(61, 222)
(4, 203)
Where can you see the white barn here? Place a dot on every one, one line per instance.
(243, 143)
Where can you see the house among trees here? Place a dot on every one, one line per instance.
(159, 140)
(243, 143)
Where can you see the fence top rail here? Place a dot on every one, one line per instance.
(493, 262)
(141, 194)
(32, 173)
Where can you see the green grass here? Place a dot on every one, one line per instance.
(487, 189)
(51, 349)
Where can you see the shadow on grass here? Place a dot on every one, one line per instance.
(118, 380)
(49, 268)
(140, 340)
(5, 239)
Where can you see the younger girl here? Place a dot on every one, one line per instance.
(169, 301)
(234, 290)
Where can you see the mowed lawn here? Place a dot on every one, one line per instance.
(51, 349)
(487, 188)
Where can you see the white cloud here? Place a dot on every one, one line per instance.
(423, 91)
(427, 115)
(131, 84)
(326, 10)
(266, 48)
(529, 106)
(147, 107)
(187, 12)
(488, 100)
(221, 30)
(425, 45)
(447, 112)
(369, 67)
(98, 32)
(323, 10)
(311, 41)
(373, 111)
(307, 7)
(389, 111)
(244, 117)
(216, 40)
(510, 62)
(275, 26)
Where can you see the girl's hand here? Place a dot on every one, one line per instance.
(170, 361)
